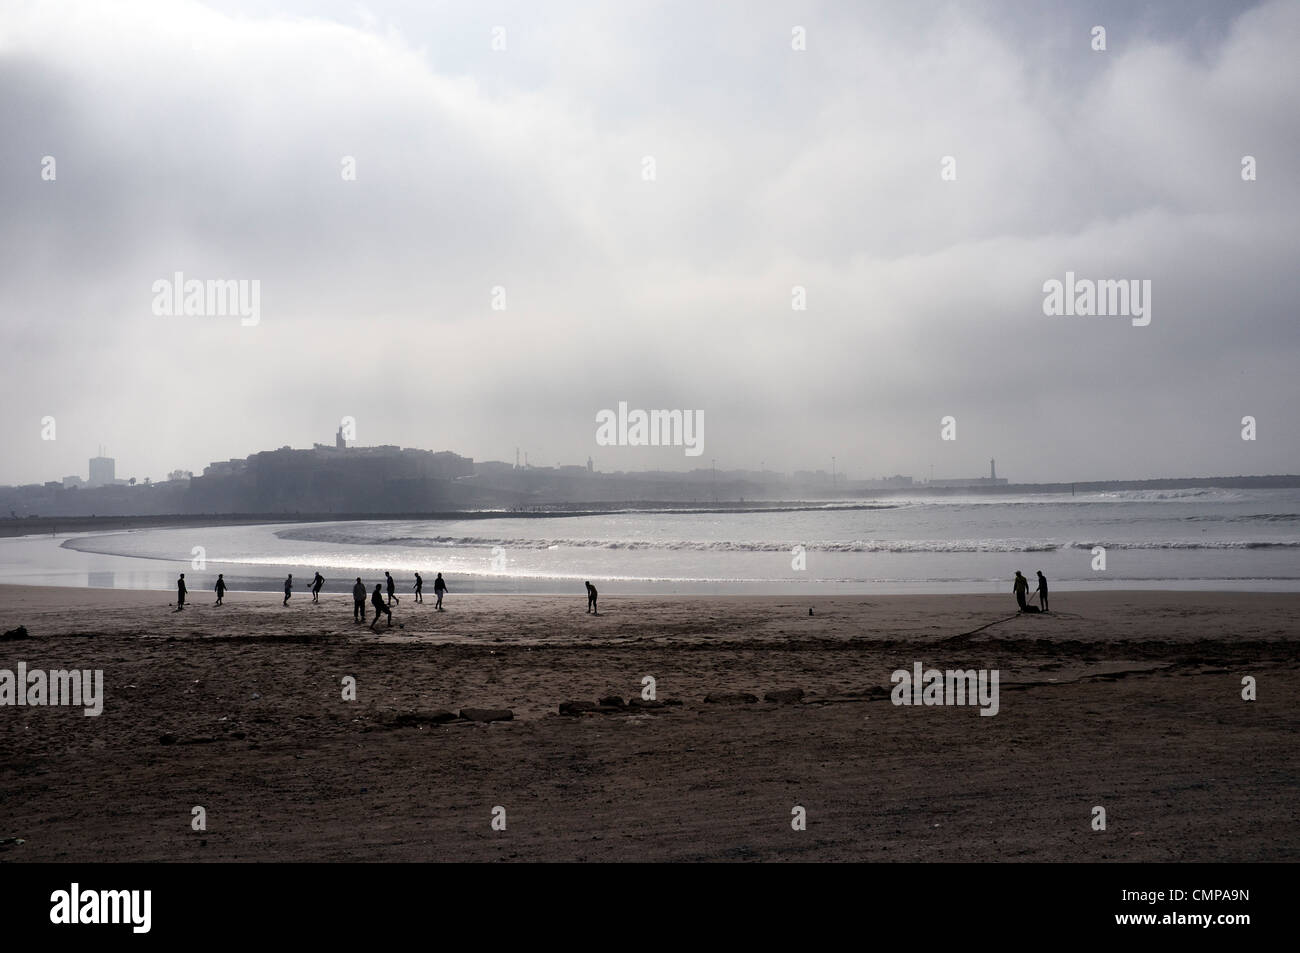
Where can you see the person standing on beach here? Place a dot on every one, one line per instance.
(180, 592)
(359, 601)
(288, 588)
(419, 588)
(392, 589)
(1042, 590)
(439, 587)
(591, 599)
(377, 600)
(316, 585)
(220, 587)
(1021, 588)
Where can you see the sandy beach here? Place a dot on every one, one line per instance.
(1127, 700)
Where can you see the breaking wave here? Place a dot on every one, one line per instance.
(352, 537)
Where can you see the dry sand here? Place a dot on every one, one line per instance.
(1128, 700)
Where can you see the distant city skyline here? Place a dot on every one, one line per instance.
(837, 476)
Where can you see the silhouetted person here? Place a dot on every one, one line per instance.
(439, 587)
(392, 589)
(316, 585)
(591, 599)
(1021, 588)
(220, 587)
(180, 592)
(359, 601)
(377, 600)
(1042, 590)
(288, 588)
(419, 588)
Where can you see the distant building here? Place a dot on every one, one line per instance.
(103, 471)
(494, 467)
(225, 468)
(72, 482)
(811, 476)
(330, 478)
(896, 482)
(973, 482)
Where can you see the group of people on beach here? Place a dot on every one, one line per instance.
(1020, 588)
(358, 594)
(377, 600)
(381, 605)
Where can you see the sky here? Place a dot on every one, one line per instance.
(459, 242)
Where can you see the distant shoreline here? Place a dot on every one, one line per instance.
(43, 525)
(50, 525)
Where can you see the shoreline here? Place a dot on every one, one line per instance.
(541, 558)
(269, 596)
(883, 496)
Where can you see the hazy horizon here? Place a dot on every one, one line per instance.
(850, 477)
(503, 146)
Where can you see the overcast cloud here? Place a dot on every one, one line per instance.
(208, 138)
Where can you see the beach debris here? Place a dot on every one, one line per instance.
(730, 698)
(168, 739)
(437, 717)
(577, 707)
(13, 635)
(11, 841)
(487, 714)
(636, 701)
(613, 701)
(810, 612)
(785, 695)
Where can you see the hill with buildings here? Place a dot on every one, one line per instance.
(341, 481)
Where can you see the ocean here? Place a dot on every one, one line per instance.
(1217, 539)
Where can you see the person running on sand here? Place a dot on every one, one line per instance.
(392, 589)
(1021, 588)
(439, 587)
(316, 585)
(591, 599)
(220, 587)
(419, 588)
(288, 589)
(377, 600)
(180, 593)
(1042, 590)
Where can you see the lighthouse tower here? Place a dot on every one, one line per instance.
(993, 471)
